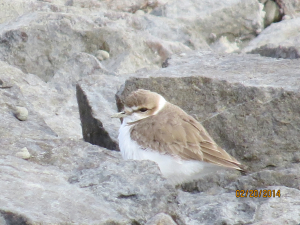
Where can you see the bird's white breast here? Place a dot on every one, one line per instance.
(174, 169)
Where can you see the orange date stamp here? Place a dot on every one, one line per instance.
(257, 193)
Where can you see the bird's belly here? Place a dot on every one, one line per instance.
(174, 169)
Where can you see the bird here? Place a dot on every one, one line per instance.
(154, 129)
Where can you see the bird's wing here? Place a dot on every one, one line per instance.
(180, 135)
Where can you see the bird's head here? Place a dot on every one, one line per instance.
(141, 104)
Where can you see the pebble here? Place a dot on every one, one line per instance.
(102, 55)
(23, 154)
(21, 113)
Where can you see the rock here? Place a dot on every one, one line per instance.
(21, 113)
(223, 45)
(227, 208)
(88, 26)
(95, 96)
(136, 197)
(48, 193)
(34, 126)
(24, 154)
(233, 19)
(279, 40)
(289, 8)
(230, 104)
(78, 174)
(102, 55)
(161, 219)
(54, 103)
(139, 13)
(63, 39)
(272, 12)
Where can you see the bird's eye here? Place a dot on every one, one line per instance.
(143, 109)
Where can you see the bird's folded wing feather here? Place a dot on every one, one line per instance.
(180, 135)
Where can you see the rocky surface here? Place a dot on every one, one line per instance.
(95, 95)
(61, 63)
(244, 111)
(279, 40)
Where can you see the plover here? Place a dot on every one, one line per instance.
(154, 129)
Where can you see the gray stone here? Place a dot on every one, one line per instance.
(250, 110)
(63, 176)
(43, 195)
(21, 113)
(226, 208)
(57, 36)
(102, 55)
(139, 13)
(235, 19)
(290, 8)
(279, 40)
(272, 12)
(161, 219)
(54, 102)
(34, 126)
(95, 96)
(24, 154)
(137, 197)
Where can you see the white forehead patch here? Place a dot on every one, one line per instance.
(161, 104)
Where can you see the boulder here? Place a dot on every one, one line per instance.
(238, 21)
(67, 180)
(226, 208)
(95, 96)
(279, 40)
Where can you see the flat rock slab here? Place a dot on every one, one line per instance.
(73, 181)
(32, 194)
(226, 208)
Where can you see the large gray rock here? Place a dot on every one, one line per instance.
(249, 110)
(290, 8)
(66, 176)
(61, 176)
(11, 98)
(52, 38)
(226, 208)
(95, 96)
(279, 40)
(32, 194)
(234, 19)
(58, 29)
(54, 102)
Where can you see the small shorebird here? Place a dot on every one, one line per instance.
(154, 129)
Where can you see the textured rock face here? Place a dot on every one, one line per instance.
(67, 176)
(245, 112)
(95, 95)
(250, 105)
(252, 113)
(280, 40)
(234, 14)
